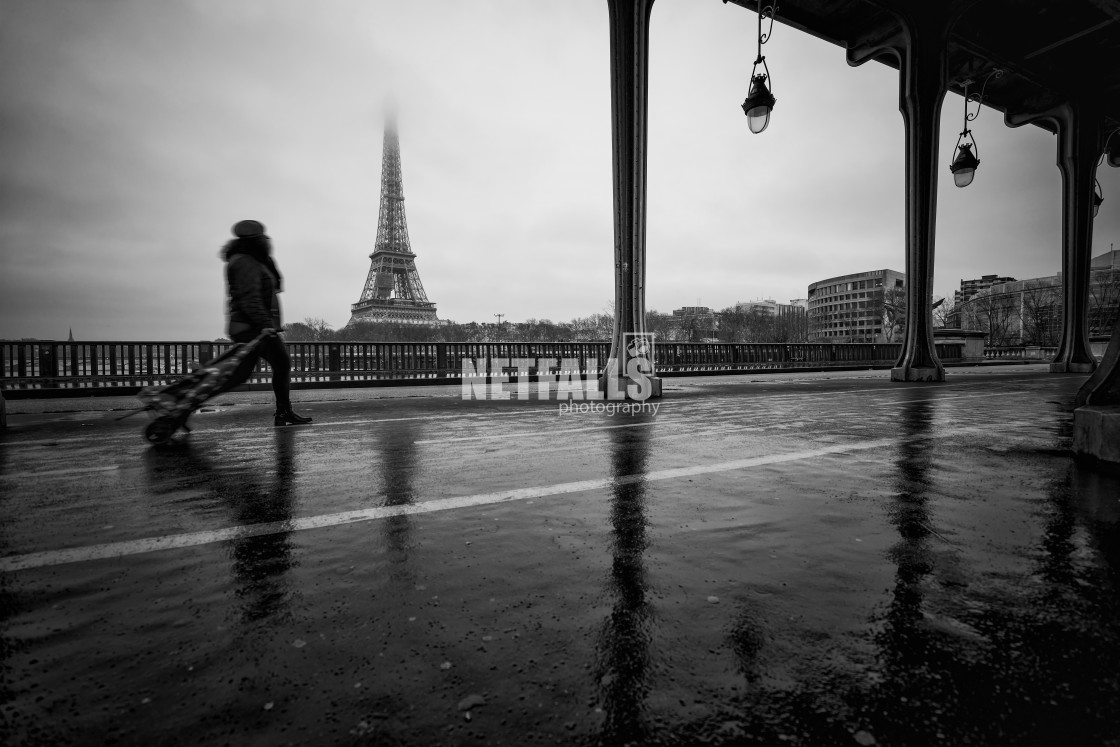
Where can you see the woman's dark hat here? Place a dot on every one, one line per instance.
(248, 229)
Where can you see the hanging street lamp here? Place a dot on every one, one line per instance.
(1111, 154)
(760, 101)
(968, 152)
(964, 165)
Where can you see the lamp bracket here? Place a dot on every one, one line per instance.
(978, 99)
(766, 11)
(1105, 152)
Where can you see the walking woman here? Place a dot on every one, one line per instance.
(253, 281)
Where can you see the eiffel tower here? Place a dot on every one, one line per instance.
(393, 292)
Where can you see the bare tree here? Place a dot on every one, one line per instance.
(791, 325)
(663, 326)
(894, 313)
(1104, 301)
(996, 315)
(590, 328)
(1040, 312)
(943, 310)
(741, 324)
(320, 329)
(298, 332)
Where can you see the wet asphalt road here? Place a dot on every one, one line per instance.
(815, 559)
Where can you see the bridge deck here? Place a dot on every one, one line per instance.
(809, 559)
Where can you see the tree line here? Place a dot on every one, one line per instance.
(733, 324)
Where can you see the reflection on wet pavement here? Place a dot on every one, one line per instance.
(623, 661)
(397, 454)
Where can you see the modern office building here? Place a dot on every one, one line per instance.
(850, 308)
(970, 288)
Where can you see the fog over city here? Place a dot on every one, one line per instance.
(136, 133)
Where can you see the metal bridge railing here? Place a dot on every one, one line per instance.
(1021, 352)
(97, 367)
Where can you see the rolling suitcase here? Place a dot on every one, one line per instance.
(172, 404)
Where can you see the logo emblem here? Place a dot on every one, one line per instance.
(639, 345)
(638, 366)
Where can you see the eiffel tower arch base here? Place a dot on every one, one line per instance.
(398, 313)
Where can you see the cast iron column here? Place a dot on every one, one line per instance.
(1103, 387)
(923, 86)
(1079, 137)
(629, 29)
(920, 47)
(1080, 140)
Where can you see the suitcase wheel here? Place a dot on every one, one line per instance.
(159, 431)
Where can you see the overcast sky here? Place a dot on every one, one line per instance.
(134, 133)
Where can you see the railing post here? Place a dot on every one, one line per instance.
(442, 369)
(22, 363)
(48, 363)
(334, 361)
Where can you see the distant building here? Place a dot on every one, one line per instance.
(1029, 312)
(850, 308)
(697, 322)
(769, 306)
(970, 288)
(772, 307)
(687, 311)
(1110, 260)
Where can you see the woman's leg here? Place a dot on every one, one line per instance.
(274, 351)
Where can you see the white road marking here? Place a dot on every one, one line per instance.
(518, 434)
(168, 542)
